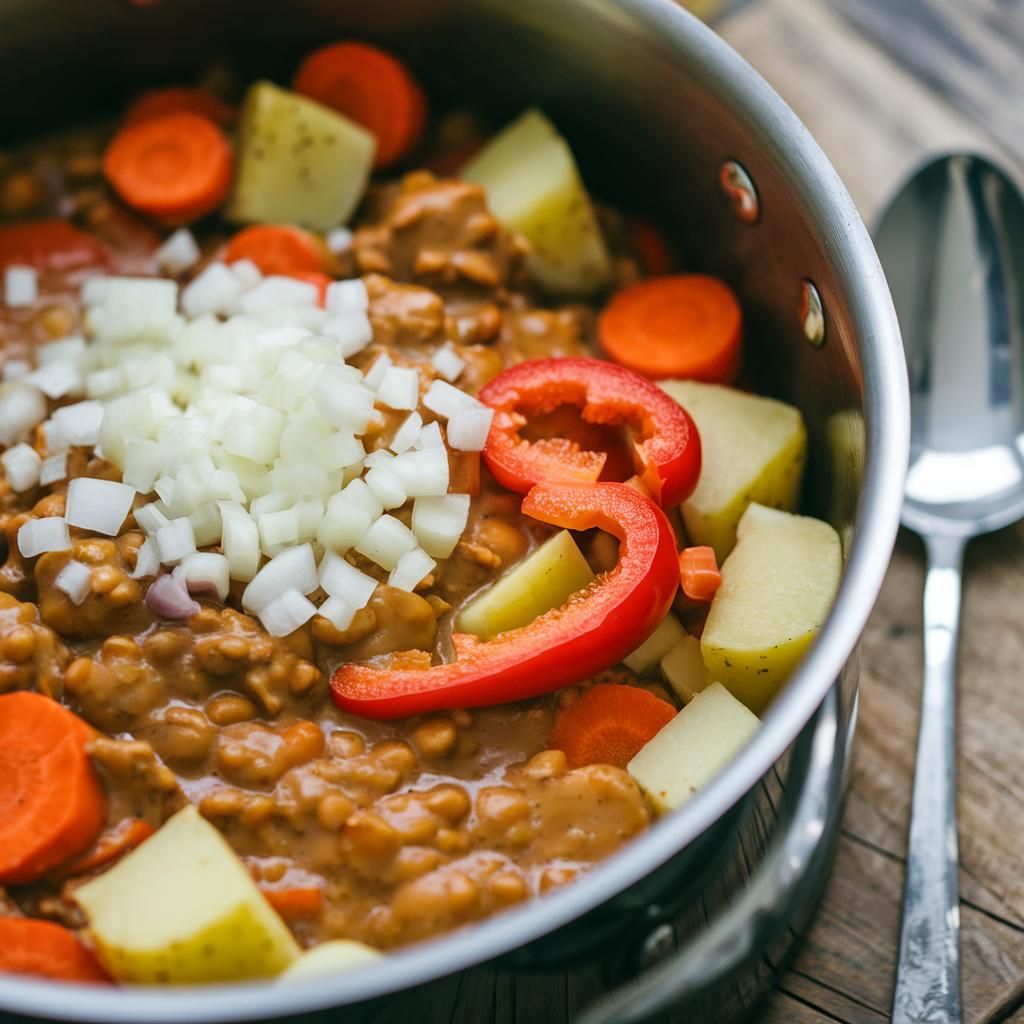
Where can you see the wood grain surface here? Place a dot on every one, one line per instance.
(882, 84)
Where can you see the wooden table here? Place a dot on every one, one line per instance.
(880, 83)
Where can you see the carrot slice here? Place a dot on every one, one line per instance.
(179, 100)
(609, 724)
(651, 246)
(50, 245)
(373, 89)
(175, 167)
(296, 901)
(112, 844)
(51, 803)
(46, 950)
(698, 573)
(682, 325)
(277, 249)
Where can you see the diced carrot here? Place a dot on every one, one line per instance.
(46, 950)
(698, 573)
(175, 167)
(179, 100)
(651, 246)
(50, 245)
(296, 901)
(112, 844)
(682, 325)
(278, 249)
(372, 88)
(609, 724)
(51, 803)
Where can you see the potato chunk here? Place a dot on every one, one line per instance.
(533, 186)
(543, 580)
(330, 958)
(777, 587)
(693, 748)
(182, 909)
(753, 449)
(297, 161)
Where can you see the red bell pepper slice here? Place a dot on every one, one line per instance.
(666, 445)
(594, 629)
(50, 245)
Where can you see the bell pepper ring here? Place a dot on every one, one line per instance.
(595, 629)
(665, 442)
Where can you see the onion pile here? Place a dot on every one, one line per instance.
(232, 402)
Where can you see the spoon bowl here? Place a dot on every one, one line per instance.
(952, 245)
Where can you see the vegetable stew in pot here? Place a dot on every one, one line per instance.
(389, 534)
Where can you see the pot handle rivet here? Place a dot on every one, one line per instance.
(812, 313)
(658, 944)
(738, 188)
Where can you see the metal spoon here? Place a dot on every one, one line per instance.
(952, 245)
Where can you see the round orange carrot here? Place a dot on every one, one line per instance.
(175, 167)
(179, 100)
(277, 249)
(113, 844)
(682, 325)
(609, 724)
(373, 89)
(698, 573)
(46, 950)
(296, 900)
(51, 803)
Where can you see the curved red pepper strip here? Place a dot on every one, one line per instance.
(596, 628)
(50, 244)
(666, 444)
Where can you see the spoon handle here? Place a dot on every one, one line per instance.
(928, 970)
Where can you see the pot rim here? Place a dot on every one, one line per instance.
(886, 412)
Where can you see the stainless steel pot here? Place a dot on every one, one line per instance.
(670, 121)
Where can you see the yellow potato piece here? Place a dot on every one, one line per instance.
(534, 187)
(329, 958)
(777, 587)
(544, 580)
(753, 450)
(683, 668)
(298, 162)
(656, 646)
(693, 748)
(182, 909)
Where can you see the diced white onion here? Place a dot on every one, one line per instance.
(275, 292)
(135, 308)
(338, 613)
(65, 350)
(103, 383)
(50, 533)
(79, 424)
(358, 494)
(147, 560)
(338, 240)
(279, 530)
(379, 457)
(448, 362)
(21, 408)
(253, 431)
(339, 451)
(412, 568)
(386, 541)
(291, 569)
(430, 437)
(205, 522)
(215, 290)
(342, 580)
(98, 505)
(287, 613)
(143, 461)
(150, 518)
(16, 369)
(386, 486)
(21, 286)
(399, 388)
(351, 330)
(438, 522)
(341, 401)
(347, 296)
(422, 473)
(21, 467)
(178, 253)
(56, 380)
(405, 436)
(468, 429)
(168, 597)
(206, 572)
(175, 540)
(374, 376)
(240, 542)
(445, 401)
(53, 468)
(247, 273)
(74, 580)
